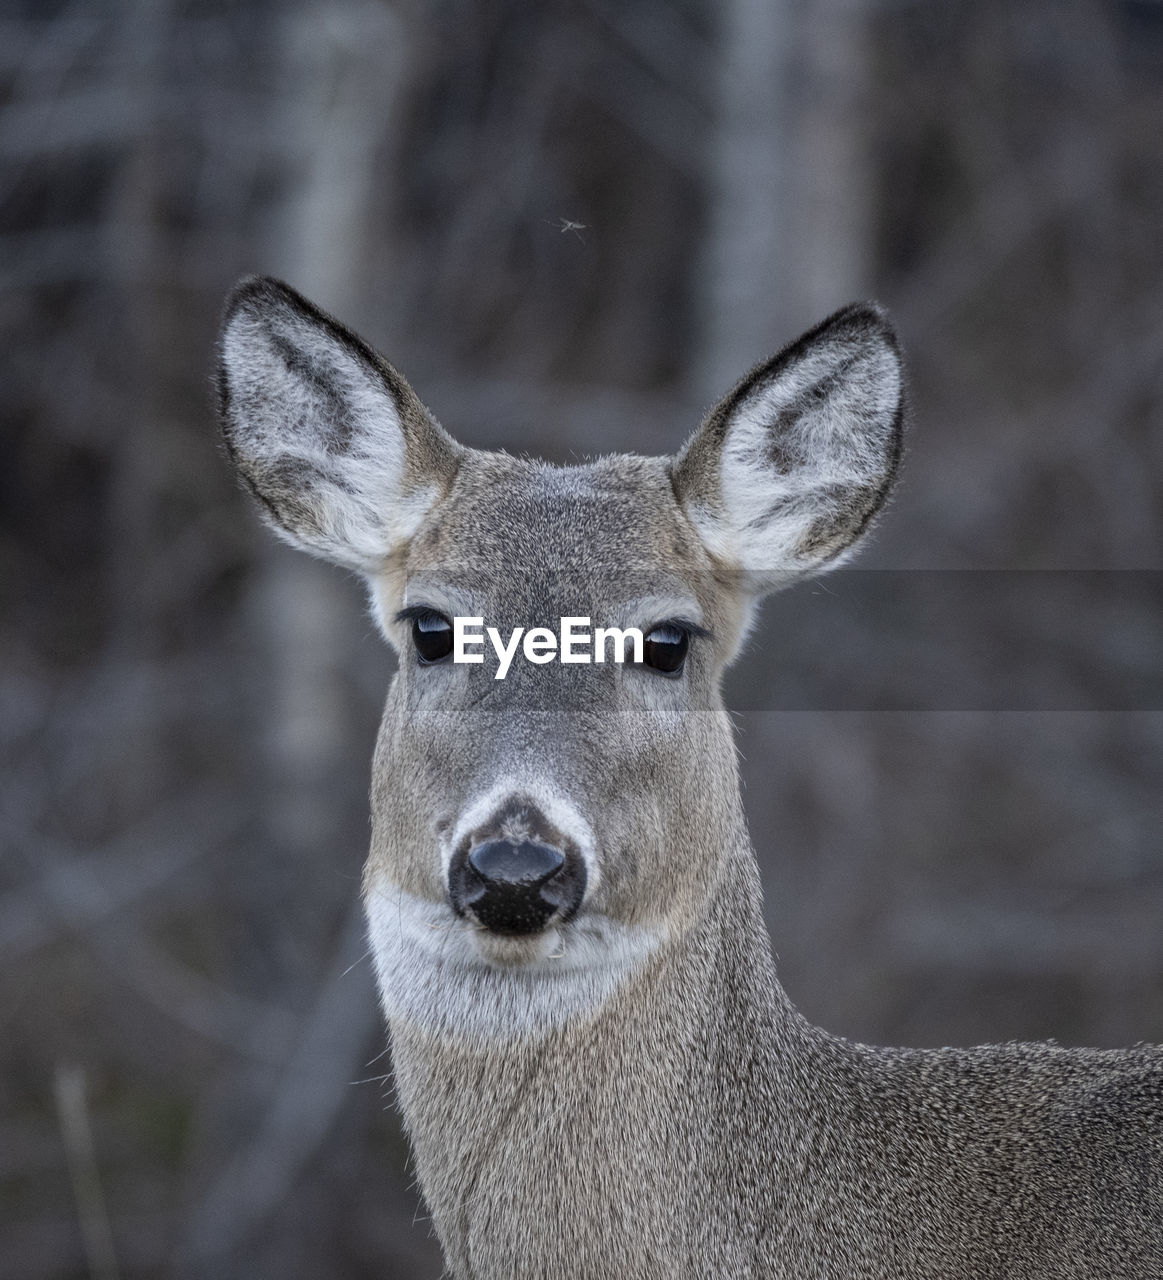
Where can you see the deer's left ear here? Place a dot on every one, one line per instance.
(786, 472)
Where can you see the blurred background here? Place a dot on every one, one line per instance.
(572, 224)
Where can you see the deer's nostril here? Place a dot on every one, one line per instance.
(503, 863)
(515, 887)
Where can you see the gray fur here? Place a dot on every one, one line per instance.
(631, 1094)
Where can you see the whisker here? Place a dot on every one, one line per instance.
(355, 963)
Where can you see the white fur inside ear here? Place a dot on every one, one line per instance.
(806, 459)
(316, 432)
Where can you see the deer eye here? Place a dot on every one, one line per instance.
(665, 648)
(432, 636)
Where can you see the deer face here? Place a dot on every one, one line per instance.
(541, 826)
(533, 807)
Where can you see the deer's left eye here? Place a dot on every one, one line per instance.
(665, 647)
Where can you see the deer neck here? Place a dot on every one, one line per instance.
(620, 1116)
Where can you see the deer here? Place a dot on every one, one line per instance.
(598, 1070)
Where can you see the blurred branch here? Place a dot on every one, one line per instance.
(78, 1139)
(329, 1048)
(44, 126)
(80, 891)
(42, 53)
(249, 1027)
(82, 902)
(669, 117)
(45, 1248)
(664, 40)
(1003, 216)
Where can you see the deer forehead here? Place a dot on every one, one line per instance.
(587, 533)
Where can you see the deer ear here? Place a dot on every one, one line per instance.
(786, 472)
(343, 458)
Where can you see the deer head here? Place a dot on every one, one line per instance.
(536, 837)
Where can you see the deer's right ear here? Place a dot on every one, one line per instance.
(343, 458)
(786, 472)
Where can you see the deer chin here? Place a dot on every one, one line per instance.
(442, 974)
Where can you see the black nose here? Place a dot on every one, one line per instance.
(514, 887)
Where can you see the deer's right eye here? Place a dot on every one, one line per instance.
(432, 636)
